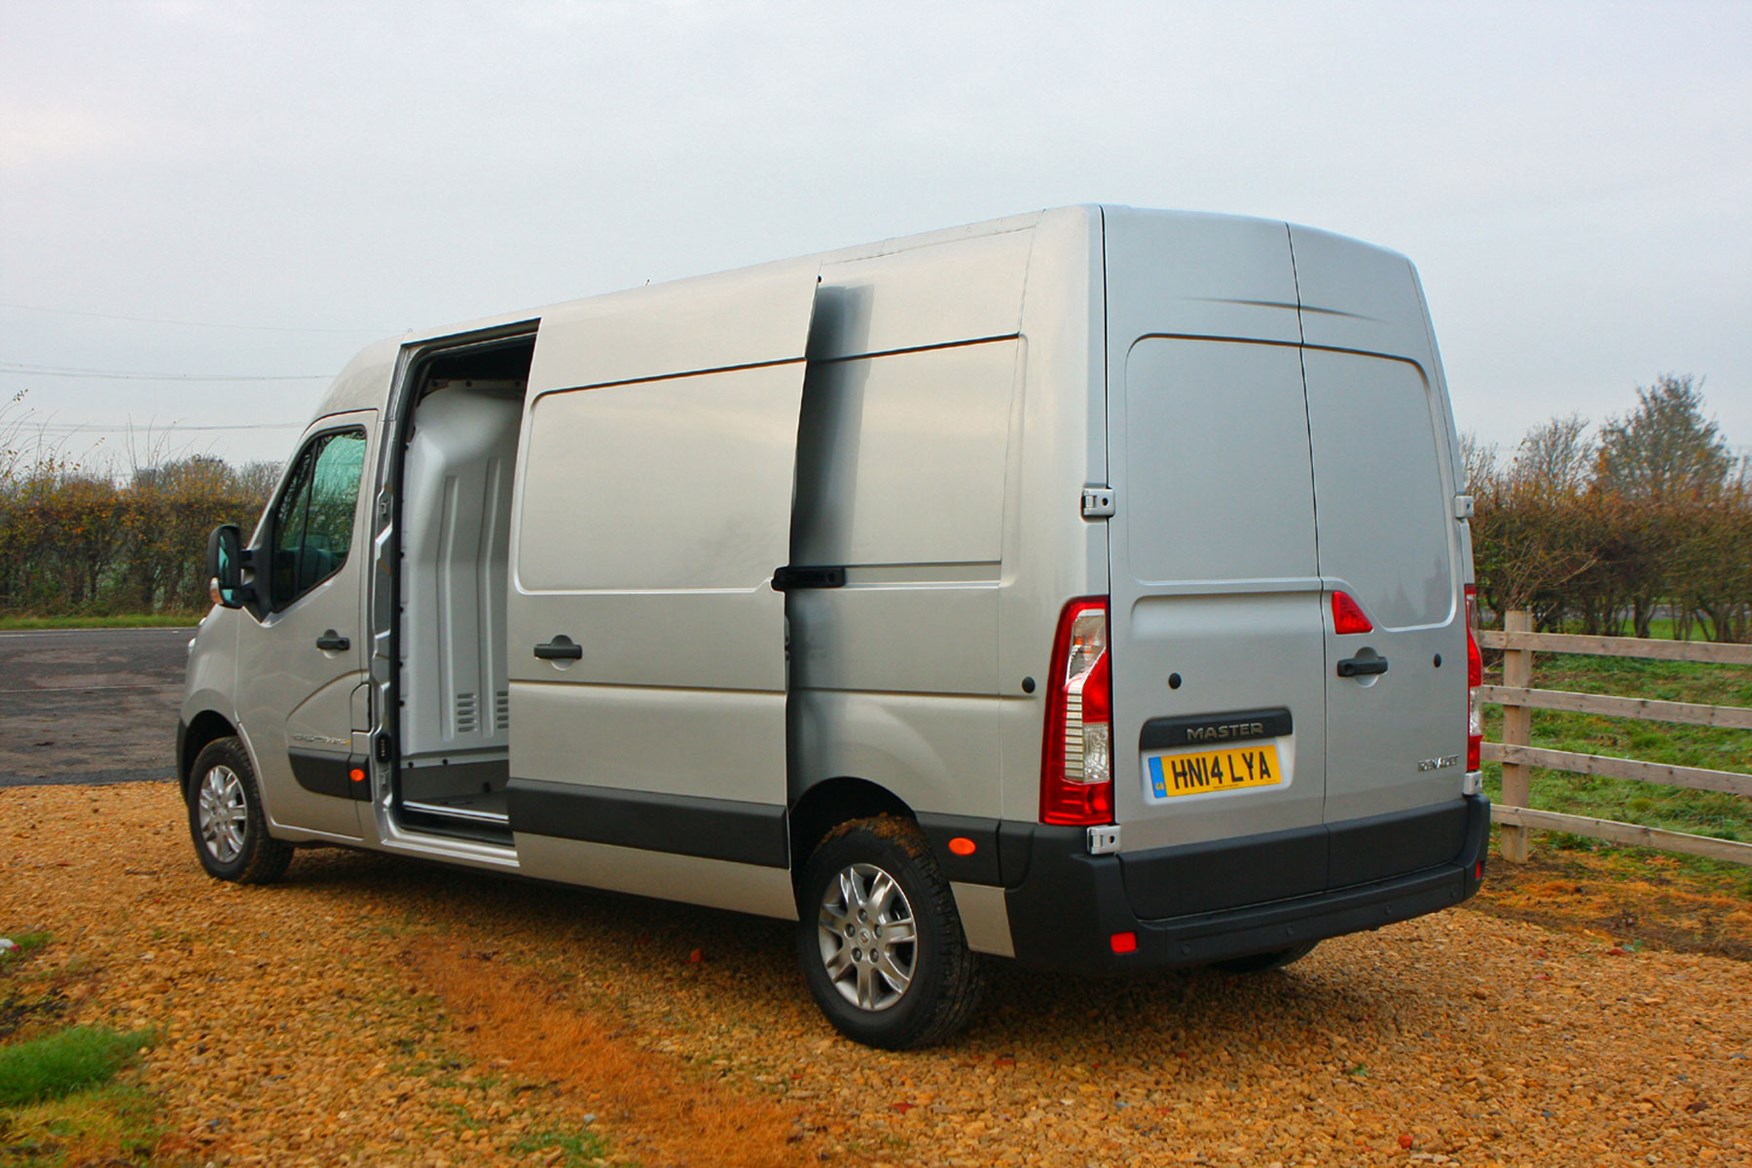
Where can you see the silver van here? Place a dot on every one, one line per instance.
(1088, 588)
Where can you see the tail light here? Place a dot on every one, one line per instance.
(1474, 679)
(1076, 762)
(1348, 616)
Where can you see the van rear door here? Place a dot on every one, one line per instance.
(647, 643)
(1217, 634)
(1383, 492)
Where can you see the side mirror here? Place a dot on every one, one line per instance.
(225, 561)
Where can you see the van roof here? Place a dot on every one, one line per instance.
(360, 385)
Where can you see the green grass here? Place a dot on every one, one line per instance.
(56, 1065)
(578, 1149)
(24, 944)
(1628, 801)
(115, 1124)
(139, 620)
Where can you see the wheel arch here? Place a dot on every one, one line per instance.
(832, 802)
(206, 727)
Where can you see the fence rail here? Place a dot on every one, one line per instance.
(1518, 755)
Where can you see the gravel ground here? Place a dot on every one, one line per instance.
(371, 1010)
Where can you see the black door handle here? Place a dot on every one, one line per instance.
(333, 642)
(561, 648)
(1361, 666)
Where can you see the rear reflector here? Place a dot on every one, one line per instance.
(1076, 761)
(1124, 942)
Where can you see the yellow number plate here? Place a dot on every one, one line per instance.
(1214, 770)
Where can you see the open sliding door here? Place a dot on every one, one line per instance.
(647, 644)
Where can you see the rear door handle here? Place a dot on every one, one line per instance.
(561, 648)
(1361, 666)
(333, 642)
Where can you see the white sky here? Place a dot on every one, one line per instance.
(1574, 180)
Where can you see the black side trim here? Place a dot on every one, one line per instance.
(982, 866)
(794, 576)
(1214, 729)
(323, 774)
(715, 829)
(183, 761)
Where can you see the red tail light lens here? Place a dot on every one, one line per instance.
(1348, 615)
(1474, 679)
(1076, 763)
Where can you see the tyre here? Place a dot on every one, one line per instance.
(1261, 962)
(225, 818)
(880, 940)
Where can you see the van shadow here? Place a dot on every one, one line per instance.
(742, 970)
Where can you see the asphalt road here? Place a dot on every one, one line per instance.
(90, 705)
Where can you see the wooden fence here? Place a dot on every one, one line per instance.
(1518, 755)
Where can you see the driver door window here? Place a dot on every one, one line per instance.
(313, 520)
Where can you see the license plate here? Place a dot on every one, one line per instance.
(1229, 769)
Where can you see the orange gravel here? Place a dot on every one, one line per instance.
(371, 1010)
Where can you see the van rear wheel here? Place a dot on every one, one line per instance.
(880, 940)
(226, 819)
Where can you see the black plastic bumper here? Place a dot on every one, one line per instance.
(1069, 905)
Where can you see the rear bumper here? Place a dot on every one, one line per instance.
(1068, 904)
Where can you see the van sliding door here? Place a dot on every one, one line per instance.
(647, 644)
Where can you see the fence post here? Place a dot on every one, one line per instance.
(1517, 731)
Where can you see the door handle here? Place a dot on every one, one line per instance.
(333, 642)
(561, 648)
(1361, 666)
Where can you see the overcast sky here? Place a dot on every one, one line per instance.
(1573, 180)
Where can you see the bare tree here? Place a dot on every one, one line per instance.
(1558, 454)
(1479, 461)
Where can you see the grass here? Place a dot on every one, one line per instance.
(61, 1101)
(578, 1149)
(56, 1065)
(1627, 801)
(23, 944)
(110, 1125)
(140, 620)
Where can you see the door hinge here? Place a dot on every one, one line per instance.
(1463, 506)
(1098, 502)
(1104, 841)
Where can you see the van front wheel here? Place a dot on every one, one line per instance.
(226, 820)
(880, 940)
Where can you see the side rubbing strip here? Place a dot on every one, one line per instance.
(1214, 729)
(321, 774)
(716, 829)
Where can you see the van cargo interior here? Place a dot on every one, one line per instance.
(455, 530)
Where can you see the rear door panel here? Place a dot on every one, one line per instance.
(1394, 737)
(1214, 588)
(1384, 478)
(1216, 604)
